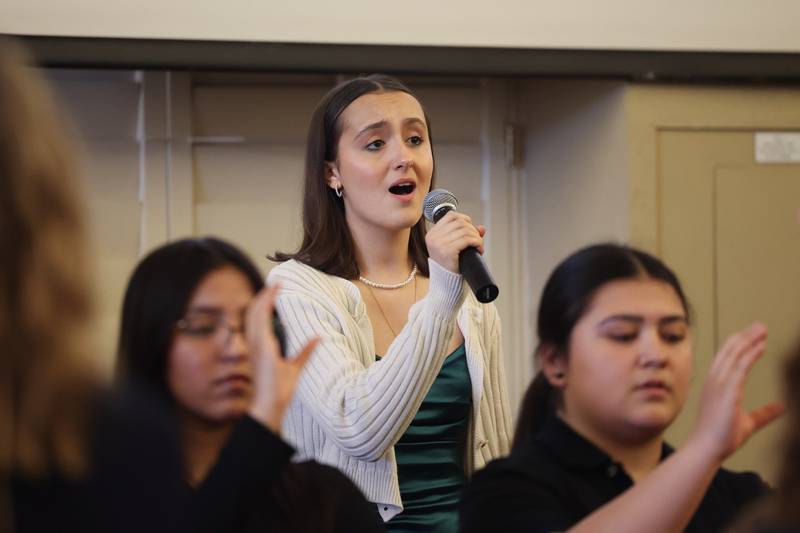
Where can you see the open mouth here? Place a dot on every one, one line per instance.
(402, 189)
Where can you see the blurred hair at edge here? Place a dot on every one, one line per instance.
(45, 300)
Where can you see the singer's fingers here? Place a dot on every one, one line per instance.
(465, 241)
(449, 217)
(455, 225)
(448, 237)
(454, 217)
(481, 230)
(461, 233)
(459, 236)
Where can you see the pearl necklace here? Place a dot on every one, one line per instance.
(389, 286)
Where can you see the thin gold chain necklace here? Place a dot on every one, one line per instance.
(380, 308)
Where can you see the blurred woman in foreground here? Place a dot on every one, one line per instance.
(74, 457)
(193, 332)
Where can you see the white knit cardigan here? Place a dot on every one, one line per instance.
(349, 410)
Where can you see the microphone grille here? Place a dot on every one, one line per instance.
(436, 198)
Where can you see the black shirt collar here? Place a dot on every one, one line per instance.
(574, 450)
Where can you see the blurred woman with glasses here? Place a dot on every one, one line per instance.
(192, 329)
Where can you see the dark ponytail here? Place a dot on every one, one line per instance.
(537, 405)
(565, 298)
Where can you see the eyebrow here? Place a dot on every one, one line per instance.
(383, 123)
(638, 319)
(211, 311)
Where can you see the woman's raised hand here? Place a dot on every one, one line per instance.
(274, 377)
(722, 424)
(453, 233)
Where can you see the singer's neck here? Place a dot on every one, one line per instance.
(382, 254)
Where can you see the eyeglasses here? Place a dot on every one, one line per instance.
(208, 324)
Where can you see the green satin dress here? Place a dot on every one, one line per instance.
(430, 454)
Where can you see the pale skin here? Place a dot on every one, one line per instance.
(635, 334)
(384, 142)
(217, 379)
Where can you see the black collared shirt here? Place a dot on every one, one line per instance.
(558, 478)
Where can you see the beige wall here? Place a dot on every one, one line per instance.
(621, 24)
(577, 180)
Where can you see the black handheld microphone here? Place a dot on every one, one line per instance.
(437, 204)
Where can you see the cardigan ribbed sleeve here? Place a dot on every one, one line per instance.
(498, 424)
(363, 407)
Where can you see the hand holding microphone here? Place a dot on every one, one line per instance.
(456, 244)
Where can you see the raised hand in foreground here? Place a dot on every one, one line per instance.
(722, 425)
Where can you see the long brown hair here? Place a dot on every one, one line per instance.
(45, 303)
(327, 242)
